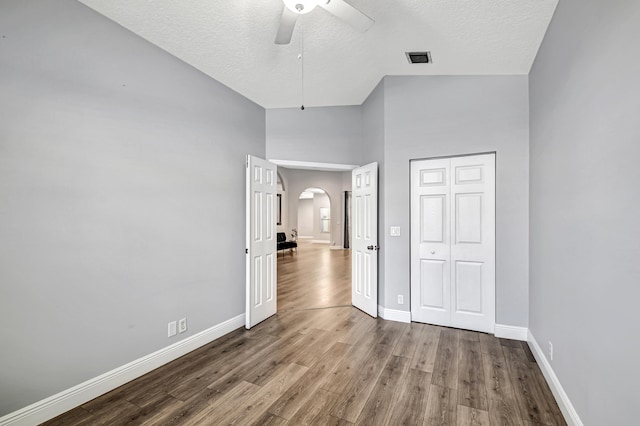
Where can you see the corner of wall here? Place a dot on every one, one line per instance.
(568, 411)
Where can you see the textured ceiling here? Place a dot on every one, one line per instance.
(233, 42)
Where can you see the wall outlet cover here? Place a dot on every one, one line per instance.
(182, 325)
(394, 231)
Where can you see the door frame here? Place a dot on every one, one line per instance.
(495, 228)
(313, 166)
(332, 167)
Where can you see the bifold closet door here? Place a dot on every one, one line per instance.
(453, 242)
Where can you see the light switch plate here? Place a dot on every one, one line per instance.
(394, 231)
(172, 329)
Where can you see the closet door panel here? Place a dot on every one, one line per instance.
(453, 242)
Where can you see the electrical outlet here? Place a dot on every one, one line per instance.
(182, 325)
(400, 299)
(550, 351)
(172, 329)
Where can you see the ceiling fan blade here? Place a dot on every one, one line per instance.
(287, 24)
(347, 13)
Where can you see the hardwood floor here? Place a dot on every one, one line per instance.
(313, 364)
(314, 277)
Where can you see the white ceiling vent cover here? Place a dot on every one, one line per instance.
(419, 57)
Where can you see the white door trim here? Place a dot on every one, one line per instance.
(311, 165)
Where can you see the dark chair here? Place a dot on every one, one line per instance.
(283, 244)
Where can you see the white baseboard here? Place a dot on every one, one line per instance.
(394, 314)
(64, 401)
(336, 248)
(568, 411)
(305, 237)
(320, 242)
(511, 332)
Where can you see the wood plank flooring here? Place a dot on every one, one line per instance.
(314, 277)
(314, 364)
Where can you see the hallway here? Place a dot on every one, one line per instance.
(314, 277)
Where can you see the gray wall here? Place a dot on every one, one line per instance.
(305, 218)
(585, 232)
(442, 116)
(408, 118)
(121, 197)
(325, 135)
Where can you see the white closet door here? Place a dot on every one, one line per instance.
(473, 242)
(430, 242)
(453, 242)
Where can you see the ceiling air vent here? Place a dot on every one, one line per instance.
(419, 57)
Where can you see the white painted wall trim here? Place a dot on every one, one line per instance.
(394, 314)
(320, 242)
(568, 411)
(64, 401)
(511, 332)
(308, 165)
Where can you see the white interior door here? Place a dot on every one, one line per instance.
(364, 252)
(453, 242)
(261, 278)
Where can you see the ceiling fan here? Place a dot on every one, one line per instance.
(338, 8)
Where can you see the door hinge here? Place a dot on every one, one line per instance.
(246, 251)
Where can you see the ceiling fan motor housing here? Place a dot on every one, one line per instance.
(300, 6)
(341, 9)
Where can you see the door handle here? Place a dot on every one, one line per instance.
(373, 247)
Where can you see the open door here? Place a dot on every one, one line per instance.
(261, 279)
(364, 214)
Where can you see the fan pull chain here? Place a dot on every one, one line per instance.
(301, 58)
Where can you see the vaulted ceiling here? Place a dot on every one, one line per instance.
(233, 42)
